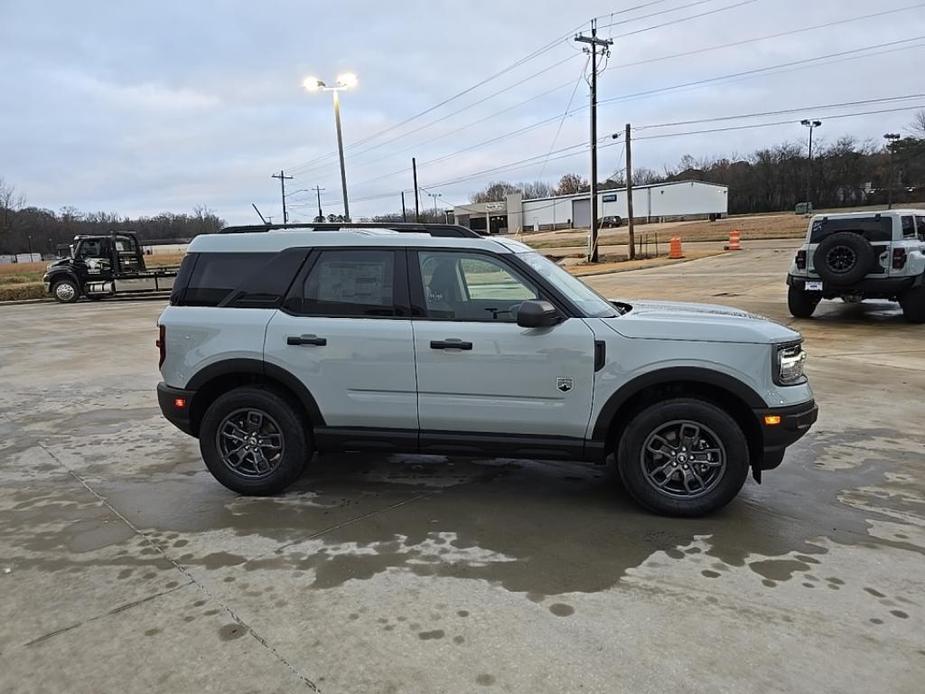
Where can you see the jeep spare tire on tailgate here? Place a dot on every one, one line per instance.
(844, 258)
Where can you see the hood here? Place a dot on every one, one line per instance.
(676, 320)
(59, 263)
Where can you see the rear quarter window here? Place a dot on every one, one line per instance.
(874, 228)
(215, 276)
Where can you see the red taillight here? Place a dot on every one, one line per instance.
(899, 258)
(161, 343)
(801, 260)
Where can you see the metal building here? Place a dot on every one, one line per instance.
(657, 202)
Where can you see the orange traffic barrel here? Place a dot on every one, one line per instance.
(735, 241)
(674, 249)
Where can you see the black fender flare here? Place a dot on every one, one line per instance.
(256, 367)
(674, 374)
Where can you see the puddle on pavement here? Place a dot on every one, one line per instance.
(539, 528)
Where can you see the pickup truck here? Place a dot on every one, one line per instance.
(105, 265)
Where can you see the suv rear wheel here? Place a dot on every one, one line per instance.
(913, 303)
(683, 457)
(253, 441)
(801, 303)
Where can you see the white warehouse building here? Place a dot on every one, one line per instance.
(657, 202)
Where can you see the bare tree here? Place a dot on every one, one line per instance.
(570, 184)
(495, 192)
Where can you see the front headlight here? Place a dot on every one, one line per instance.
(790, 360)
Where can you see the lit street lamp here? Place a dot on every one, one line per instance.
(345, 81)
(811, 124)
(891, 139)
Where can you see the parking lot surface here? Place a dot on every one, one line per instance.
(126, 567)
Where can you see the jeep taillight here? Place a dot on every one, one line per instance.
(801, 260)
(899, 258)
(161, 343)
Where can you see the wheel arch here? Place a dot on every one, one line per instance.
(218, 378)
(734, 397)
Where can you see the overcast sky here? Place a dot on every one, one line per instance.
(143, 107)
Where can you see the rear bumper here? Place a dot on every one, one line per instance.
(795, 421)
(170, 400)
(874, 287)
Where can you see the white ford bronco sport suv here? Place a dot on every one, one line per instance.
(861, 255)
(283, 342)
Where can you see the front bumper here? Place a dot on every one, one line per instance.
(794, 422)
(170, 400)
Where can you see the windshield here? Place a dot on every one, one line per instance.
(579, 293)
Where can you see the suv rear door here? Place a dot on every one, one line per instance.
(501, 379)
(345, 331)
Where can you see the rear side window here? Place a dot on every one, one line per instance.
(875, 228)
(349, 284)
(216, 275)
(920, 226)
(908, 227)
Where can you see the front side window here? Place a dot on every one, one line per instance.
(472, 287)
(350, 283)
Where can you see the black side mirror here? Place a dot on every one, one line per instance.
(537, 314)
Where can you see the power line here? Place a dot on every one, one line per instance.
(565, 114)
(767, 37)
(755, 71)
(301, 167)
(680, 20)
(818, 107)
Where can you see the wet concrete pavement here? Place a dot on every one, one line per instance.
(130, 568)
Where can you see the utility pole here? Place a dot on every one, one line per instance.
(435, 196)
(417, 204)
(320, 213)
(404, 216)
(282, 187)
(629, 194)
(891, 139)
(593, 44)
(811, 124)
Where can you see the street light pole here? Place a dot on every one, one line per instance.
(345, 81)
(891, 139)
(340, 152)
(811, 124)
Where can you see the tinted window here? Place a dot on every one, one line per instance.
(871, 228)
(472, 287)
(349, 283)
(216, 275)
(920, 225)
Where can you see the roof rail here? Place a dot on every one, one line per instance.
(438, 230)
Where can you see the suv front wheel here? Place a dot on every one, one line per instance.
(253, 441)
(683, 457)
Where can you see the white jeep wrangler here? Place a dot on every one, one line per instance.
(861, 255)
(283, 342)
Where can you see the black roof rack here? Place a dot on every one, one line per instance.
(438, 230)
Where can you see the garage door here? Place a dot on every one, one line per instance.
(581, 213)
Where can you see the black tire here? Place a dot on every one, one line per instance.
(913, 303)
(844, 258)
(722, 439)
(279, 415)
(801, 303)
(65, 291)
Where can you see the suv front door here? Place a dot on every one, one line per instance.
(477, 370)
(345, 331)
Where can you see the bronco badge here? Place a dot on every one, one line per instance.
(564, 384)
